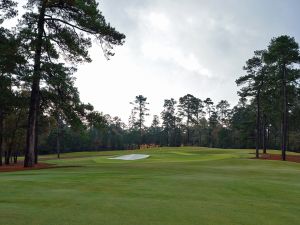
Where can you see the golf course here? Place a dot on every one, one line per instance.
(174, 186)
(149, 112)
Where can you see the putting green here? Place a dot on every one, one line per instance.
(174, 186)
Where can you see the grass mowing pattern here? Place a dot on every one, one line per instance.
(175, 186)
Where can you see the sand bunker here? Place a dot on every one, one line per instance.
(131, 157)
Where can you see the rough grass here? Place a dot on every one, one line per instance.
(175, 186)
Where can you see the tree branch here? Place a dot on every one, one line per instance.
(71, 25)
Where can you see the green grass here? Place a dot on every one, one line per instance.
(175, 186)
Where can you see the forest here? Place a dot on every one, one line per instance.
(41, 111)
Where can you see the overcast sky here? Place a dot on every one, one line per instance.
(178, 47)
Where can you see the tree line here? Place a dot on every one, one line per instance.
(41, 111)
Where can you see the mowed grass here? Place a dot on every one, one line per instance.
(175, 186)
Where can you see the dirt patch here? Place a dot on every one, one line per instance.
(20, 166)
(290, 158)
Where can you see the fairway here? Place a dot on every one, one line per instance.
(174, 186)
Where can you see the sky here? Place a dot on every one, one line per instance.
(177, 47)
(174, 48)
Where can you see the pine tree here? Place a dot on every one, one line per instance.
(282, 53)
(140, 109)
(61, 28)
(255, 82)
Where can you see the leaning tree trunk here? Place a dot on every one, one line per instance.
(257, 124)
(285, 115)
(34, 99)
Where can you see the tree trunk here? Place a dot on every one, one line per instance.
(58, 145)
(8, 153)
(34, 99)
(58, 138)
(12, 140)
(264, 134)
(268, 135)
(140, 131)
(168, 137)
(285, 115)
(1, 135)
(200, 138)
(287, 136)
(15, 158)
(210, 137)
(188, 133)
(257, 124)
(188, 127)
(15, 154)
(36, 141)
(174, 138)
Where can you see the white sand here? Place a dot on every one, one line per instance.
(131, 157)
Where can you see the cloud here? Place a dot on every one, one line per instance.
(159, 21)
(174, 55)
(178, 47)
(161, 44)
